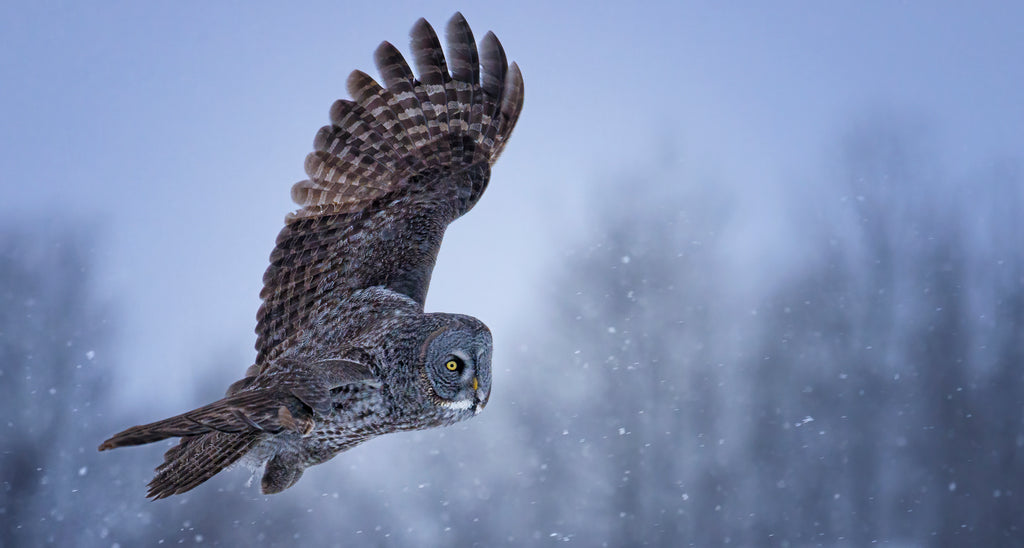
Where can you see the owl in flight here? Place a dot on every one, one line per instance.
(345, 351)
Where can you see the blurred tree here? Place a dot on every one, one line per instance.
(55, 395)
(53, 344)
(880, 343)
(626, 426)
(870, 392)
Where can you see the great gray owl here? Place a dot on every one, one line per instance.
(345, 351)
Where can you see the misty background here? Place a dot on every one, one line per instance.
(754, 274)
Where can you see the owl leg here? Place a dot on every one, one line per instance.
(279, 474)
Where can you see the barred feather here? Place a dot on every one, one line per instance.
(196, 459)
(387, 143)
(433, 71)
(258, 410)
(389, 134)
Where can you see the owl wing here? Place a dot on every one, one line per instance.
(398, 163)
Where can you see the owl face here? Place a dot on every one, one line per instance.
(457, 361)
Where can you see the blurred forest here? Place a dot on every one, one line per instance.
(868, 388)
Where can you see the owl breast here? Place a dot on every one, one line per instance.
(360, 413)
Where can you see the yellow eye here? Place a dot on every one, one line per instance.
(452, 365)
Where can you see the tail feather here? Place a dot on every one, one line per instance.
(196, 459)
(249, 411)
(214, 436)
(386, 136)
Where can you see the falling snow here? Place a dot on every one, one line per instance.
(732, 304)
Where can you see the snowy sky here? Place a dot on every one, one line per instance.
(177, 129)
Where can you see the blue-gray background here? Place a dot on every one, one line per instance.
(754, 272)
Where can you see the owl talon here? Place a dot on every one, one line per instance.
(303, 426)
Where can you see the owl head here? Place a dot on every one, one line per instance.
(456, 358)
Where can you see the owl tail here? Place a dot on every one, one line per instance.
(387, 136)
(214, 436)
(196, 459)
(253, 411)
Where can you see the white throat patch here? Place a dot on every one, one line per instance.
(460, 405)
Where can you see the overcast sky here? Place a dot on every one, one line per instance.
(176, 130)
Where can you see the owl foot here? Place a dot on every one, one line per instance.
(303, 426)
(279, 475)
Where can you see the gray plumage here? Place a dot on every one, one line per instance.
(345, 351)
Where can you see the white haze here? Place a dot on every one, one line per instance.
(735, 260)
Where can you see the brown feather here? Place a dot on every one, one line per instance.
(242, 412)
(196, 459)
(433, 72)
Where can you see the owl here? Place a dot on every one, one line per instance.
(345, 351)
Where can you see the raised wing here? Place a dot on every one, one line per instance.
(397, 164)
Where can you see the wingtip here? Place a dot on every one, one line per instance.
(118, 440)
(494, 65)
(384, 51)
(157, 492)
(361, 85)
(420, 24)
(385, 45)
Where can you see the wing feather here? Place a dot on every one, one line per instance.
(398, 163)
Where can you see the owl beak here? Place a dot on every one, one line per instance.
(481, 399)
